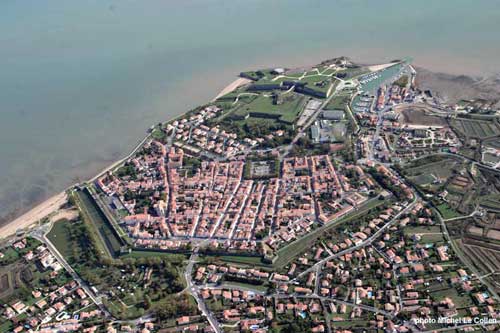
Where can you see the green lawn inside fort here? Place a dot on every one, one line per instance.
(263, 106)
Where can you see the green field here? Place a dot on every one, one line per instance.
(258, 287)
(491, 201)
(461, 300)
(263, 74)
(72, 240)
(424, 179)
(60, 236)
(431, 173)
(421, 230)
(432, 238)
(155, 254)
(447, 212)
(428, 234)
(442, 168)
(339, 102)
(243, 261)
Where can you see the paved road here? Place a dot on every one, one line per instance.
(295, 295)
(230, 286)
(194, 291)
(338, 301)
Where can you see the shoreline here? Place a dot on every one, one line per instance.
(34, 215)
(232, 86)
(54, 203)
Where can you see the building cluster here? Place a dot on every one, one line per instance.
(312, 190)
(195, 137)
(169, 203)
(427, 138)
(214, 273)
(49, 305)
(251, 311)
(413, 275)
(394, 95)
(147, 327)
(401, 141)
(396, 272)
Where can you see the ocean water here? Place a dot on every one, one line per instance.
(81, 81)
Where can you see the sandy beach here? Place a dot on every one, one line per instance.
(376, 68)
(235, 84)
(34, 215)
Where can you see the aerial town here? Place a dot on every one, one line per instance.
(339, 198)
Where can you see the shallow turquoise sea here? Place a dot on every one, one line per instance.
(81, 81)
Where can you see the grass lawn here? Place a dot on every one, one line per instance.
(10, 255)
(447, 212)
(122, 311)
(145, 254)
(313, 80)
(422, 230)
(158, 134)
(461, 300)
(258, 287)
(491, 201)
(60, 237)
(338, 102)
(432, 238)
(423, 179)
(242, 260)
(6, 326)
